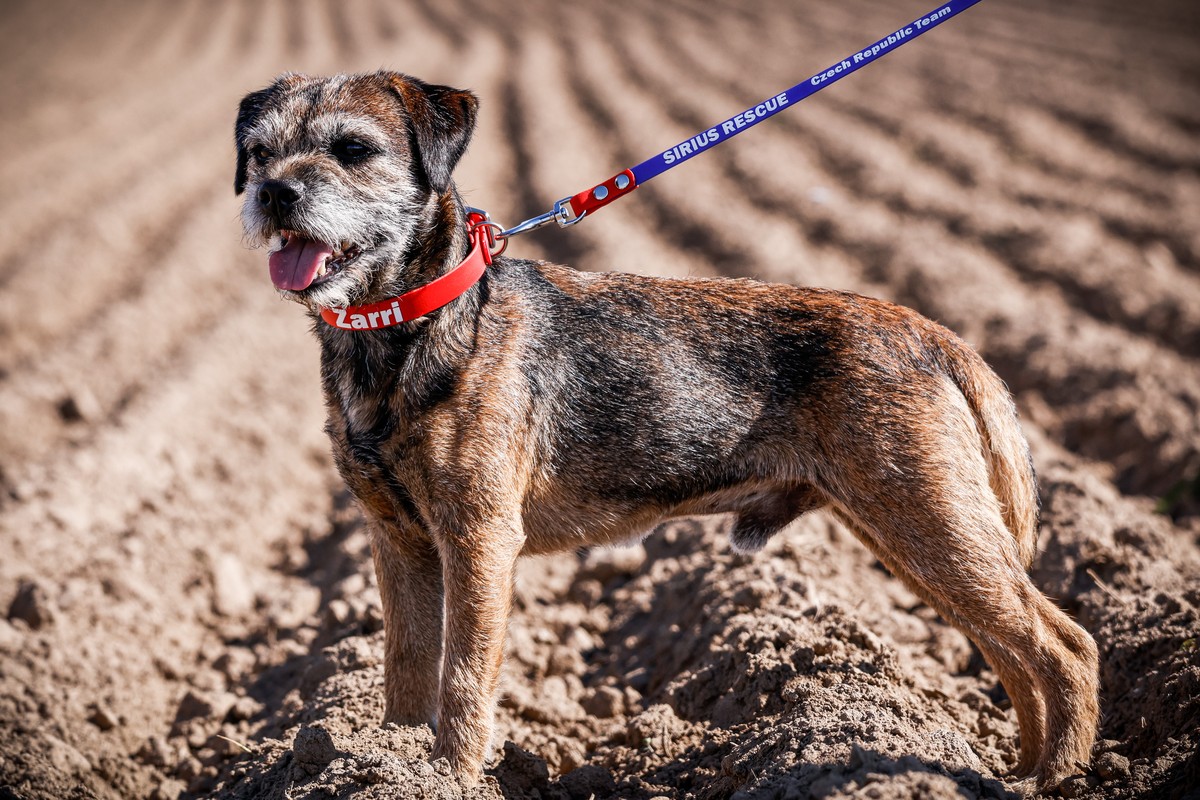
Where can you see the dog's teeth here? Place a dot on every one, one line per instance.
(321, 270)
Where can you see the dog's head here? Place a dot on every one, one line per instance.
(336, 172)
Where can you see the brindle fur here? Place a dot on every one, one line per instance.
(548, 409)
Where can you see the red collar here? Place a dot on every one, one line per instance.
(427, 298)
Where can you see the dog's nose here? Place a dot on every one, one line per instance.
(277, 198)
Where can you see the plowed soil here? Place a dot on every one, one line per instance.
(190, 605)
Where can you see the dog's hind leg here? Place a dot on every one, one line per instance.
(972, 577)
(930, 514)
(1022, 687)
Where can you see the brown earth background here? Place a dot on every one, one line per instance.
(190, 605)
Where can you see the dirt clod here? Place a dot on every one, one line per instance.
(103, 717)
(232, 593)
(313, 749)
(1112, 766)
(32, 605)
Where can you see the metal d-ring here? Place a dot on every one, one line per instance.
(498, 236)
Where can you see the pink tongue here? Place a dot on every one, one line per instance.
(295, 266)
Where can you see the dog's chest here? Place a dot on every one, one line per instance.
(372, 438)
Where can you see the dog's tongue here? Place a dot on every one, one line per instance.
(295, 266)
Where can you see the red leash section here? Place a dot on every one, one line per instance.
(431, 296)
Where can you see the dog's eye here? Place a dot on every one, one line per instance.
(350, 151)
(260, 153)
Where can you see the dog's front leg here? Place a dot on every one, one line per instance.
(410, 584)
(478, 568)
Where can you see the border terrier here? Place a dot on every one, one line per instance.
(548, 409)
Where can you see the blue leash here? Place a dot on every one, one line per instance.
(571, 210)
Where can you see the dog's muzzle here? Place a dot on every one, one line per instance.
(278, 199)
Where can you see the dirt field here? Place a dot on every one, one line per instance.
(190, 605)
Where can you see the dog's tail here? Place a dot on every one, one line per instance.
(1010, 468)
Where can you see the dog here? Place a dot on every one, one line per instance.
(548, 409)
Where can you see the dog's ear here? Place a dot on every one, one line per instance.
(249, 110)
(442, 121)
(251, 106)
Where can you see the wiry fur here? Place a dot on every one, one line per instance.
(549, 409)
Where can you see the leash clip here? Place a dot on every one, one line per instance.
(561, 213)
(477, 218)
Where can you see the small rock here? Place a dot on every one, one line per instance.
(295, 607)
(65, 758)
(245, 708)
(170, 789)
(338, 612)
(32, 605)
(235, 663)
(587, 591)
(80, 405)
(1112, 766)
(156, 752)
(352, 586)
(313, 749)
(232, 593)
(1077, 786)
(102, 716)
(223, 747)
(523, 773)
(605, 703)
(580, 640)
(207, 706)
(188, 768)
(587, 782)
(565, 661)
(10, 637)
(204, 783)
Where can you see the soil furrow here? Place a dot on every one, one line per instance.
(81, 274)
(146, 316)
(444, 26)
(384, 18)
(122, 124)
